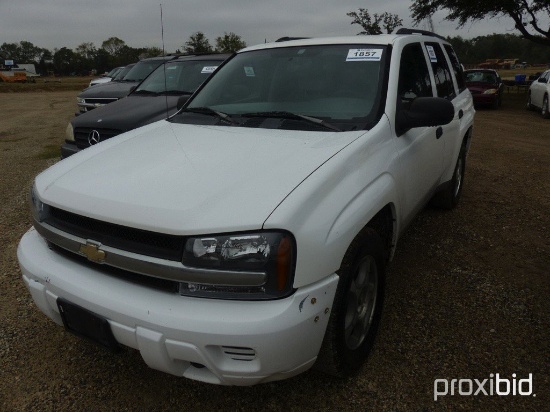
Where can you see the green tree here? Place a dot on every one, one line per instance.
(64, 61)
(373, 25)
(22, 52)
(530, 16)
(197, 43)
(86, 51)
(229, 43)
(113, 45)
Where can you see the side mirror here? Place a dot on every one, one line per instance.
(181, 102)
(424, 112)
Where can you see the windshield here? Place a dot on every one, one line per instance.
(182, 77)
(113, 72)
(485, 77)
(337, 84)
(120, 75)
(141, 70)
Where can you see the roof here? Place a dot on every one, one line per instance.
(202, 57)
(379, 39)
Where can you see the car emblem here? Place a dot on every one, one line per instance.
(93, 137)
(92, 252)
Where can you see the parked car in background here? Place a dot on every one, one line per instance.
(486, 87)
(539, 94)
(153, 99)
(107, 78)
(101, 94)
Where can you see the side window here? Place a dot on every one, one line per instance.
(442, 74)
(457, 68)
(414, 76)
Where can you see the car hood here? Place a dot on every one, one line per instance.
(128, 113)
(110, 89)
(187, 179)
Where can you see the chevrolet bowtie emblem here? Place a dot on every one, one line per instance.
(92, 252)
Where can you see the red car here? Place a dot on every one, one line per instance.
(486, 87)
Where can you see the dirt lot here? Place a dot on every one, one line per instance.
(467, 295)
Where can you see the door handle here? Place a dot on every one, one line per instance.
(460, 114)
(439, 132)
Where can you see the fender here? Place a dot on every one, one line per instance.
(327, 210)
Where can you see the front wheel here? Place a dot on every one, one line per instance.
(357, 307)
(545, 110)
(529, 103)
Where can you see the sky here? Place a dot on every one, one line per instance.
(68, 23)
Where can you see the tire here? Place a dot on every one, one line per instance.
(496, 103)
(545, 111)
(449, 197)
(529, 104)
(357, 307)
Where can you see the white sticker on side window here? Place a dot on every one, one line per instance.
(208, 69)
(431, 53)
(249, 71)
(362, 55)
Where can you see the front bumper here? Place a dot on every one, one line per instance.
(237, 342)
(68, 149)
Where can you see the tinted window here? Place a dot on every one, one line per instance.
(457, 68)
(414, 76)
(181, 76)
(338, 83)
(443, 80)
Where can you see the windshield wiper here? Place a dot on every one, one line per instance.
(143, 91)
(294, 116)
(210, 112)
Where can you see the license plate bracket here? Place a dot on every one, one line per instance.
(87, 324)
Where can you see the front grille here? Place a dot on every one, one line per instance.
(165, 285)
(81, 135)
(139, 241)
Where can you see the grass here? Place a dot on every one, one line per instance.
(50, 151)
(47, 84)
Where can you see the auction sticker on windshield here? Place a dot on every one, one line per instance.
(364, 55)
(209, 69)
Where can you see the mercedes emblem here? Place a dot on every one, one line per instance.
(93, 137)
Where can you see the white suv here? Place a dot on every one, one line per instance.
(245, 238)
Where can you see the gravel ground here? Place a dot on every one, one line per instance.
(467, 293)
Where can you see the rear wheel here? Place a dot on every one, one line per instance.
(357, 307)
(449, 197)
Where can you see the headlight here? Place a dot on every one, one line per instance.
(69, 133)
(257, 265)
(39, 210)
(80, 100)
(490, 91)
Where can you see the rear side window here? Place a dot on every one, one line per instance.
(414, 76)
(457, 68)
(443, 80)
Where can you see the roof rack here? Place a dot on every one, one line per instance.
(404, 30)
(286, 38)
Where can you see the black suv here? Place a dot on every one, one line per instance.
(101, 94)
(154, 99)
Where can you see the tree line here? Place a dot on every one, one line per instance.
(530, 44)
(113, 52)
